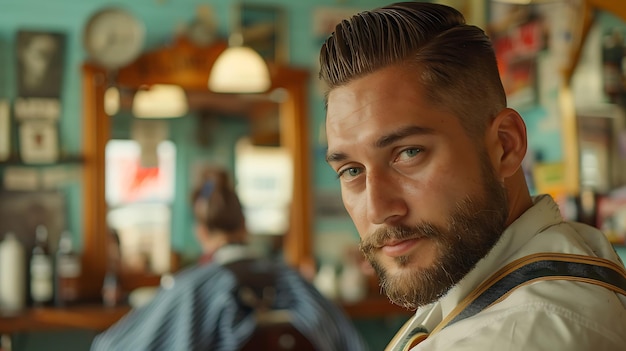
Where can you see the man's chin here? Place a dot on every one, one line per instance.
(400, 287)
(408, 264)
(409, 285)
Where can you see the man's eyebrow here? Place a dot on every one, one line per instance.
(401, 133)
(385, 140)
(335, 156)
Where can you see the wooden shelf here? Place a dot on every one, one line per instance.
(91, 317)
(64, 160)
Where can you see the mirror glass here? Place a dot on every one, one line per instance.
(153, 165)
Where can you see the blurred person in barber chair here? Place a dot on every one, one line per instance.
(232, 295)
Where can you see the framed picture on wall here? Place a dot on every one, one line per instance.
(40, 62)
(39, 142)
(264, 28)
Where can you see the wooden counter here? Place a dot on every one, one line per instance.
(98, 318)
(90, 317)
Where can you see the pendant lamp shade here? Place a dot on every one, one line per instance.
(239, 69)
(160, 101)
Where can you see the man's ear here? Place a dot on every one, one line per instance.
(506, 142)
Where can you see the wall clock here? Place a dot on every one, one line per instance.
(113, 38)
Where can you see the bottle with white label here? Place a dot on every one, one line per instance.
(326, 280)
(41, 271)
(68, 269)
(12, 274)
(352, 282)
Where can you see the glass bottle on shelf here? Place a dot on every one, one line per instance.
(12, 275)
(326, 280)
(68, 269)
(111, 288)
(352, 281)
(41, 271)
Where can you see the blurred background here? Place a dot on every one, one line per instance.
(109, 112)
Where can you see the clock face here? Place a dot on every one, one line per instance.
(113, 38)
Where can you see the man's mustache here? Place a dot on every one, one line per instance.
(382, 236)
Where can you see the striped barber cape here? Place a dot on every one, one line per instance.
(199, 312)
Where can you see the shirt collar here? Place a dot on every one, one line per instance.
(544, 213)
(230, 253)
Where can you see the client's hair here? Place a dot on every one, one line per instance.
(215, 203)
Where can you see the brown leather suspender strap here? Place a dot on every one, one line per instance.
(523, 271)
(533, 268)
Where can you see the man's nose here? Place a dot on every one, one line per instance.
(385, 200)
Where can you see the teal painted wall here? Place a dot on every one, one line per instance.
(161, 17)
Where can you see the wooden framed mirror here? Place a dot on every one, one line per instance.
(188, 66)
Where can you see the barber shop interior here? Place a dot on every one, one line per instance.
(157, 155)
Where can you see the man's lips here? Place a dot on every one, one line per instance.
(399, 248)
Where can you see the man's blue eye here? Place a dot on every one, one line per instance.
(350, 172)
(353, 171)
(410, 153)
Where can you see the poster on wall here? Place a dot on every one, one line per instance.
(128, 181)
(518, 35)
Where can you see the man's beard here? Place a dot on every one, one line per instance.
(474, 226)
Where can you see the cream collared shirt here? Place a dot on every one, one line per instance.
(547, 315)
